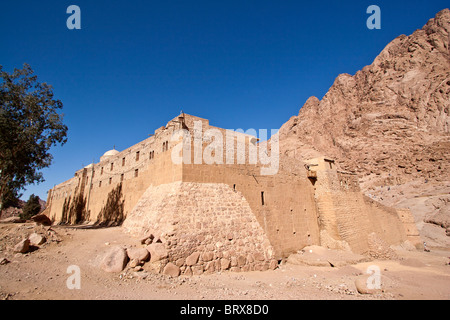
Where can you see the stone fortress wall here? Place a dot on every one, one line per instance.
(347, 217)
(230, 215)
(135, 168)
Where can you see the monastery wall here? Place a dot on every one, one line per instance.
(203, 227)
(283, 206)
(346, 216)
(132, 171)
(283, 203)
(219, 207)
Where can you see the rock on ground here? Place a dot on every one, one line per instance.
(42, 219)
(23, 246)
(171, 270)
(140, 254)
(192, 259)
(157, 251)
(36, 239)
(366, 284)
(115, 260)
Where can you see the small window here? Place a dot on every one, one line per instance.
(99, 184)
(136, 173)
(262, 197)
(101, 172)
(123, 161)
(110, 180)
(121, 177)
(137, 156)
(112, 166)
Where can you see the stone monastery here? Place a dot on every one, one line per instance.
(205, 213)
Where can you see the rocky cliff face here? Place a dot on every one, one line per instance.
(390, 122)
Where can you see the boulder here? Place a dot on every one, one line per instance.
(147, 239)
(171, 270)
(36, 239)
(42, 219)
(241, 261)
(197, 270)
(364, 285)
(188, 271)
(115, 260)
(134, 263)
(140, 254)
(192, 259)
(210, 267)
(180, 262)
(225, 264)
(23, 246)
(157, 251)
(207, 256)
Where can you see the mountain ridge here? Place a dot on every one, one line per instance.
(390, 121)
(390, 124)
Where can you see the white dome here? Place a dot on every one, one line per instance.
(110, 153)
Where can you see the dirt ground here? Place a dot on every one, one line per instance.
(43, 274)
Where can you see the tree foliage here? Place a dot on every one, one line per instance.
(31, 208)
(29, 126)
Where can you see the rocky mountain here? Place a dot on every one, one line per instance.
(390, 122)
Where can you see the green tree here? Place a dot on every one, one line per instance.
(31, 208)
(29, 126)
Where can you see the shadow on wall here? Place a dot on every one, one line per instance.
(112, 213)
(74, 212)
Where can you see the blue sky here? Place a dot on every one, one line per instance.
(134, 65)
